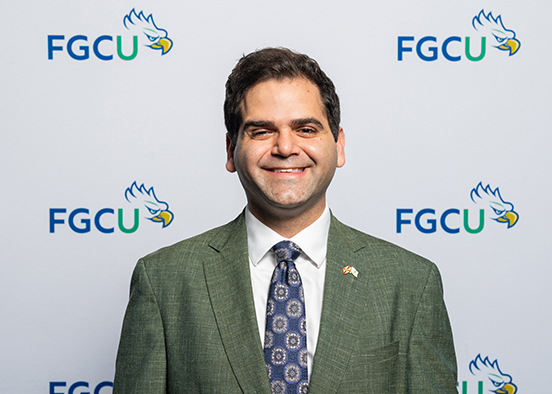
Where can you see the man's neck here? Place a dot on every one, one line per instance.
(289, 222)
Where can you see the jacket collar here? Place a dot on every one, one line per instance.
(229, 284)
(343, 303)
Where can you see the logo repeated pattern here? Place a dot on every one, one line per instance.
(490, 204)
(490, 32)
(143, 202)
(145, 33)
(285, 345)
(490, 379)
(500, 211)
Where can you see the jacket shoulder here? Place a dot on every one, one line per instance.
(196, 249)
(379, 252)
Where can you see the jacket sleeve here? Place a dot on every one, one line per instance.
(141, 358)
(431, 362)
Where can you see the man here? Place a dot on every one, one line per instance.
(235, 310)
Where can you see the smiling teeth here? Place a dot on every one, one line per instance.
(289, 170)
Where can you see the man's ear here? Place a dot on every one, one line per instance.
(340, 144)
(230, 154)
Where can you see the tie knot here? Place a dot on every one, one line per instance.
(286, 251)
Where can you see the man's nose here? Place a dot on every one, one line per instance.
(285, 143)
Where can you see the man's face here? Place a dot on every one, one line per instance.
(285, 154)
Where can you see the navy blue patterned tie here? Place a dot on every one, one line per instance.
(285, 346)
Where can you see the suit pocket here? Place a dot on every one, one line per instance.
(377, 355)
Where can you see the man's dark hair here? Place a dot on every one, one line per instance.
(278, 64)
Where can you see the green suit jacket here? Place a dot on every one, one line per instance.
(190, 325)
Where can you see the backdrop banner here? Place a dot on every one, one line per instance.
(112, 145)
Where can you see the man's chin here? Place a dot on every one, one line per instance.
(288, 202)
(290, 207)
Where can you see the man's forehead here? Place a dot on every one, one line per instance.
(262, 86)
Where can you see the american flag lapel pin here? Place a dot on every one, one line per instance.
(350, 270)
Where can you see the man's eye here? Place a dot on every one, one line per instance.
(259, 133)
(307, 130)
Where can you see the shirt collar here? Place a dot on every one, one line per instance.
(313, 240)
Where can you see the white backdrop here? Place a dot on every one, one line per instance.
(420, 134)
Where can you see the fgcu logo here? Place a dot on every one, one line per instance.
(145, 34)
(59, 388)
(491, 33)
(490, 379)
(489, 201)
(144, 204)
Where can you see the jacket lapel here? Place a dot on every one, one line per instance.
(341, 316)
(229, 284)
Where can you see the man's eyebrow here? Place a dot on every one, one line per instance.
(295, 122)
(257, 123)
(304, 121)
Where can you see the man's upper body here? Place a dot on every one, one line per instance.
(195, 318)
(191, 327)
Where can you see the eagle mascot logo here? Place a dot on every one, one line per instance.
(493, 28)
(150, 207)
(494, 381)
(501, 211)
(147, 32)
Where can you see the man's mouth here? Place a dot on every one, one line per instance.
(288, 170)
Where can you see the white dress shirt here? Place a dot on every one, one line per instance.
(311, 265)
